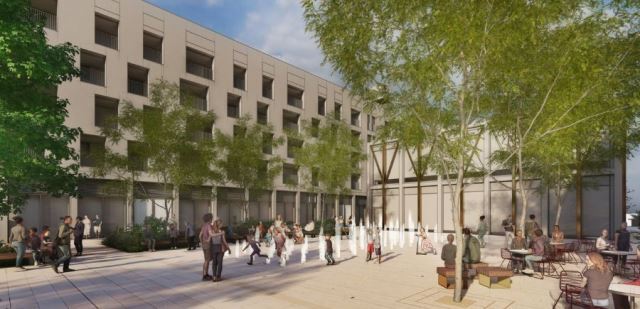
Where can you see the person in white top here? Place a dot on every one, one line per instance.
(603, 241)
(87, 227)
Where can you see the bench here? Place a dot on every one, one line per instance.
(447, 277)
(473, 268)
(495, 277)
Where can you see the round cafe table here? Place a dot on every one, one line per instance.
(617, 254)
(522, 253)
(631, 291)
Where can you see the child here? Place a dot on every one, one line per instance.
(426, 246)
(377, 245)
(369, 244)
(35, 243)
(255, 246)
(328, 255)
(448, 254)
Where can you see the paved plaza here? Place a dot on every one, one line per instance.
(106, 278)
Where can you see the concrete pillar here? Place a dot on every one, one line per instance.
(401, 157)
(73, 207)
(297, 209)
(274, 195)
(129, 200)
(175, 212)
(318, 206)
(4, 228)
(214, 203)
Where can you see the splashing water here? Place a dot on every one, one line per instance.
(304, 250)
(402, 238)
(237, 249)
(243, 245)
(363, 233)
(338, 242)
(412, 230)
(352, 240)
(272, 251)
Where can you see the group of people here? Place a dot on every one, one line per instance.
(44, 249)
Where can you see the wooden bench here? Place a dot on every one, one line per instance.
(495, 277)
(447, 277)
(473, 268)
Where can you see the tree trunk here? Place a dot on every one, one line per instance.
(514, 195)
(457, 295)
(579, 200)
(245, 206)
(558, 205)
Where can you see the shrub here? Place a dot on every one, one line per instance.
(131, 240)
(158, 226)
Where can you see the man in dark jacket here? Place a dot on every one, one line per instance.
(63, 242)
(78, 230)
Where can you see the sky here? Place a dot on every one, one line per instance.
(277, 28)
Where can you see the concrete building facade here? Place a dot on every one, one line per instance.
(125, 46)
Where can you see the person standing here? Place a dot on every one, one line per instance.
(63, 242)
(530, 227)
(622, 242)
(218, 247)
(173, 236)
(369, 244)
(328, 254)
(471, 248)
(205, 241)
(507, 225)
(97, 226)
(482, 231)
(87, 227)
(17, 239)
(78, 234)
(191, 236)
(150, 238)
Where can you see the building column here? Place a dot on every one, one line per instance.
(128, 207)
(318, 206)
(354, 209)
(175, 211)
(297, 209)
(73, 207)
(402, 211)
(274, 195)
(213, 207)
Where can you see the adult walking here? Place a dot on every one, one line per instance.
(17, 240)
(218, 247)
(97, 226)
(63, 242)
(482, 231)
(507, 225)
(205, 241)
(622, 242)
(78, 234)
(87, 227)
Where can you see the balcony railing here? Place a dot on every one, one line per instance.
(106, 39)
(233, 111)
(200, 103)
(262, 118)
(290, 126)
(152, 54)
(92, 75)
(137, 87)
(200, 70)
(50, 20)
(293, 101)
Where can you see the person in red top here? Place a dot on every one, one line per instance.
(205, 241)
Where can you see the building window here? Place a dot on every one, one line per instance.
(106, 111)
(355, 182)
(194, 94)
(292, 147)
(263, 113)
(290, 121)
(356, 137)
(92, 68)
(289, 174)
(199, 64)
(267, 87)
(315, 127)
(91, 149)
(203, 134)
(370, 138)
(239, 77)
(267, 143)
(152, 47)
(137, 79)
(45, 12)
(106, 31)
(355, 117)
(233, 105)
(371, 123)
(337, 110)
(137, 161)
(322, 105)
(239, 131)
(294, 96)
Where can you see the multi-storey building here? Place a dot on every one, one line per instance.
(125, 46)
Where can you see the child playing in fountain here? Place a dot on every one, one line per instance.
(377, 245)
(328, 255)
(369, 244)
(255, 246)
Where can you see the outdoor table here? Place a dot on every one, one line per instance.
(632, 291)
(618, 254)
(521, 252)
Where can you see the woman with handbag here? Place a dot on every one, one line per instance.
(218, 247)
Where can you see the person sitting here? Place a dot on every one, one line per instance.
(35, 243)
(596, 280)
(602, 243)
(557, 236)
(537, 251)
(426, 246)
(448, 254)
(471, 248)
(298, 236)
(519, 242)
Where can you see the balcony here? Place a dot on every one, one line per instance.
(233, 106)
(48, 19)
(294, 96)
(263, 113)
(92, 75)
(152, 47)
(290, 121)
(137, 79)
(199, 64)
(152, 54)
(200, 70)
(200, 103)
(194, 94)
(137, 87)
(106, 39)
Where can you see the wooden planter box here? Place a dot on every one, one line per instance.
(9, 259)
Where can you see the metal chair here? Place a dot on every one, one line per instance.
(506, 257)
(568, 280)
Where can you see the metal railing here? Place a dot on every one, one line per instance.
(293, 101)
(152, 54)
(92, 75)
(198, 69)
(290, 126)
(238, 82)
(106, 39)
(137, 87)
(50, 20)
(233, 111)
(200, 103)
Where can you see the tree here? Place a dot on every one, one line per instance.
(455, 58)
(330, 155)
(171, 141)
(35, 152)
(243, 158)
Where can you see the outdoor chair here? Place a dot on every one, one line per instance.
(587, 245)
(568, 254)
(568, 280)
(506, 257)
